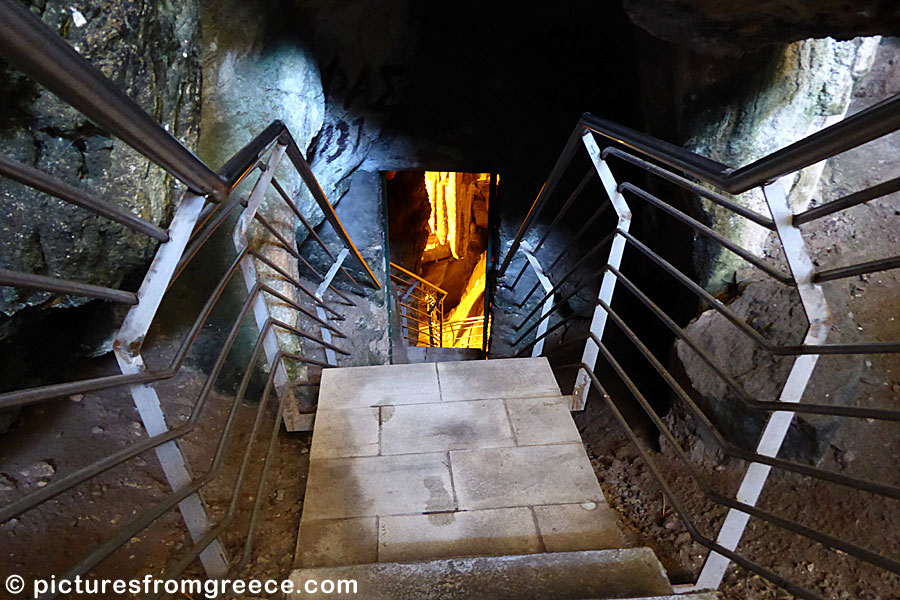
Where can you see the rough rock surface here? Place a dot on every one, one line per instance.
(805, 88)
(150, 50)
(254, 73)
(366, 323)
(360, 79)
(775, 311)
(730, 26)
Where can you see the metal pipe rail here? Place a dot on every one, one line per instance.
(716, 181)
(430, 305)
(684, 514)
(38, 51)
(856, 130)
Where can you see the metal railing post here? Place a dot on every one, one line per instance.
(538, 347)
(816, 308)
(261, 312)
(330, 356)
(127, 349)
(608, 285)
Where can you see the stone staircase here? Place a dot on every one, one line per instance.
(460, 480)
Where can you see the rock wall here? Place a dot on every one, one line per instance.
(775, 311)
(362, 48)
(151, 50)
(46, 236)
(803, 88)
(255, 71)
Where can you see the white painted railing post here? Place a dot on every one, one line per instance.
(816, 308)
(330, 356)
(261, 313)
(127, 349)
(608, 286)
(547, 306)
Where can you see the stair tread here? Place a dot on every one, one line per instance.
(424, 354)
(599, 574)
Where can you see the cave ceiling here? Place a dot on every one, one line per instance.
(738, 26)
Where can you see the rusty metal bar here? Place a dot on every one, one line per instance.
(872, 266)
(290, 279)
(848, 201)
(59, 189)
(64, 286)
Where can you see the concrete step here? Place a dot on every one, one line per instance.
(422, 354)
(597, 574)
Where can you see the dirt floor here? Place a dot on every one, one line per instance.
(863, 448)
(54, 439)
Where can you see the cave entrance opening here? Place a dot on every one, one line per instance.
(438, 231)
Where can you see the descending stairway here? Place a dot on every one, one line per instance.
(460, 480)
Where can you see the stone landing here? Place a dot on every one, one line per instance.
(436, 461)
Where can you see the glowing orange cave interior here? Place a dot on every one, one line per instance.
(437, 231)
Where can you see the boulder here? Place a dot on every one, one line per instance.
(775, 311)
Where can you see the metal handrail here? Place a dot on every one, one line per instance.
(39, 52)
(856, 130)
(397, 267)
(28, 44)
(431, 306)
(803, 275)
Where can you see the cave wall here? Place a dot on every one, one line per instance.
(734, 91)
(802, 88)
(151, 50)
(256, 69)
(735, 82)
(408, 212)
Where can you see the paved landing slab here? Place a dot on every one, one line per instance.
(353, 387)
(585, 526)
(378, 485)
(523, 476)
(508, 378)
(328, 542)
(406, 466)
(445, 426)
(346, 433)
(467, 533)
(546, 420)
